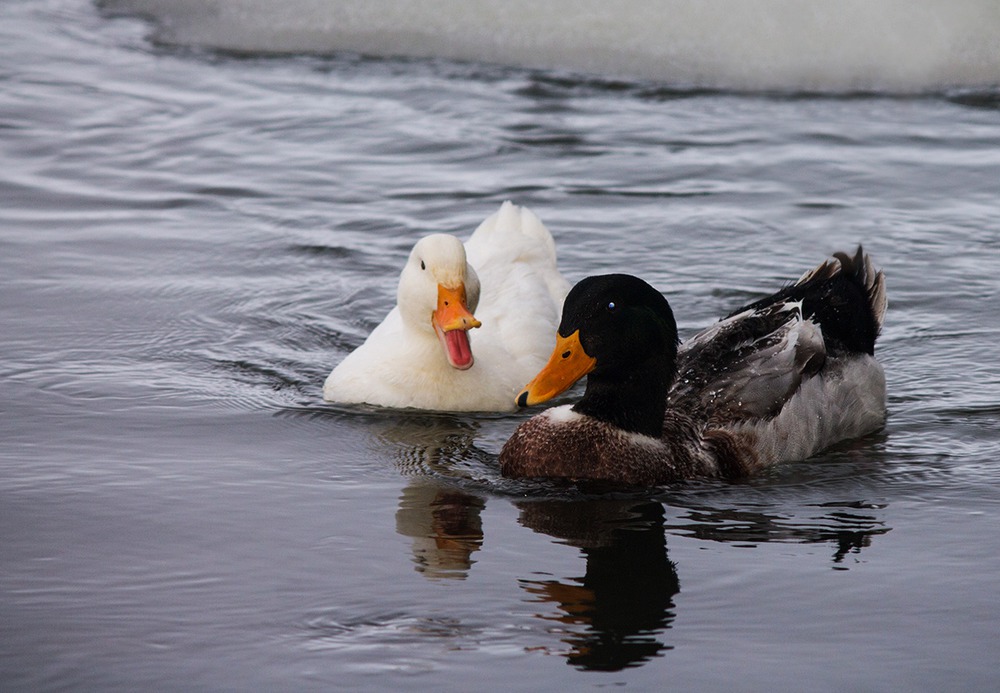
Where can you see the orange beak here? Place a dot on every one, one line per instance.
(452, 321)
(568, 363)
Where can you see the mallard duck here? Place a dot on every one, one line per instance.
(503, 283)
(777, 380)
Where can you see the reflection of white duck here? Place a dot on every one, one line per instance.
(422, 355)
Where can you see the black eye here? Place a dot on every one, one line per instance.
(422, 265)
(611, 307)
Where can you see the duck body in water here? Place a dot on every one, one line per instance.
(777, 380)
(503, 283)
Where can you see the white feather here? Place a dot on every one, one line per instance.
(510, 262)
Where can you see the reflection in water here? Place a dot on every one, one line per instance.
(849, 526)
(428, 444)
(445, 525)
(616, 610)
(443, 521)
(615, 615)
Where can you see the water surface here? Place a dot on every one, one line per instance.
(191, 238)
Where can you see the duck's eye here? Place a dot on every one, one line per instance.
(422, 265)
(611, 307)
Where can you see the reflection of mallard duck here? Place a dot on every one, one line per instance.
(777, 380)
(614, 615)
(422, 355)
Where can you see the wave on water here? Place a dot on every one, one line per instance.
(792, 45)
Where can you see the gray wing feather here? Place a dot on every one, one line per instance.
(747, 366)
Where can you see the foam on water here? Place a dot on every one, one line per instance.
(851, 45)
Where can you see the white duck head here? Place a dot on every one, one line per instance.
(438, 290)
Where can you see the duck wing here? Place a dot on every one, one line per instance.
(750, 364)
(522, 289)
(845, 295)
(747, 366)
(514, 242)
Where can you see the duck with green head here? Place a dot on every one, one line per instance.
(777, 380)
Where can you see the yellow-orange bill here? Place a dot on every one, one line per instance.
(568, 363)
(451, 321)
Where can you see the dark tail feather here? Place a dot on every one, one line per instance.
(845, 295)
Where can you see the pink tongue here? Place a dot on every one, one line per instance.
(459, 351)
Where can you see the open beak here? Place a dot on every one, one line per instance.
(452, 322)
(568, 363)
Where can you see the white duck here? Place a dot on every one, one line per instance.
(422, 354)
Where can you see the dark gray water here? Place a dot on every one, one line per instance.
(189, 241)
